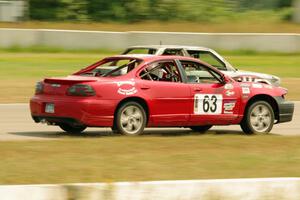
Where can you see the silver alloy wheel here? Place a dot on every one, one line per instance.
(260, 118)
(132, 119)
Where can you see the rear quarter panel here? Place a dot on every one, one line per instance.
(117, 90)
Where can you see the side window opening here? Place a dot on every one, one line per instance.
(141, 51)
(197, 73)
(161, 71)
(194, 54)
(177, 52)
(113, 67)
(209, 58)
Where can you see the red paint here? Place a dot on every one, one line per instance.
(169, 103)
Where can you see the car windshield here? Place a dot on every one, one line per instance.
(140, 51)
(112, 67)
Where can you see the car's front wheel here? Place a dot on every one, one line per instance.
(72, 129)
(201, 129)
(258, 118)
(131, 119)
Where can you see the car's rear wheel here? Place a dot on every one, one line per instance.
(71, 129)
(131, 119)
(258, 118)
(201, 129)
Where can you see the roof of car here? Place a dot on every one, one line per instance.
(138, 56)
(135, 55)
(150, 57)
(169, 46)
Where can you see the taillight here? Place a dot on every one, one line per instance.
(39, 87)
(81, 90)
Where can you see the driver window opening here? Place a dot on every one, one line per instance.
(197, 73)
(161, 71)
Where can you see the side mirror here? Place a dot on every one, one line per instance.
(225, 79)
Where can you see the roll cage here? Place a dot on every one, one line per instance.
(143, 72)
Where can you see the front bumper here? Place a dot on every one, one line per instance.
(285, 110)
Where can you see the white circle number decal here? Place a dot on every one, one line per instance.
(208, 103)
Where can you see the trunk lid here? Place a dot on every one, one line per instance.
(59, 86)
(70, 80)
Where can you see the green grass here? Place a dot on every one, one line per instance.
(106, 159)
(39, 65)
(47, 49)
(20, 70)
(252, 24)
(281, 65)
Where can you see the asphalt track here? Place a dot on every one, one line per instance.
(16, 124)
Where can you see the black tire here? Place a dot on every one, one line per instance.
(75, 130)
(133, 123)
(201, 129)
(266, 120)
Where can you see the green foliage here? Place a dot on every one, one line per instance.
(139, 10)
(46, 10)
(73, 10)
(263, 4)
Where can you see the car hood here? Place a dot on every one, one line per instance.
(248, 73)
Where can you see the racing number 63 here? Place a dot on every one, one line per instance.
(208, 104)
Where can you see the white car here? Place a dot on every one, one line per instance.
(207, 55)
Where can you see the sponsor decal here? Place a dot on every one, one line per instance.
(259, 80)
(228, 86)
(245, 96)
(228, 107)
(126, 87)
(247, 79)
(229, 93)
(245, 85)
(245, 90)
(257, 85)
(268, 86)
(208, 104)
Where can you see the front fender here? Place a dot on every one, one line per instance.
(259, 91)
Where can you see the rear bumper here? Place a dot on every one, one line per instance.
(285, 110)
(84, 111)
(56, 120)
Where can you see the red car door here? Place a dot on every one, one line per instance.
(169, 96)
(213, 102)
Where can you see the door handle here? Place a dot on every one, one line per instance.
(197, 89)
(145, 87)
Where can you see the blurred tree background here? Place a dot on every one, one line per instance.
(159, 10)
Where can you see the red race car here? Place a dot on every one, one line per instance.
(131, 92)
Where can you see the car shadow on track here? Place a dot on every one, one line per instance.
(108, 133)
(186, 132)
(61, 134)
